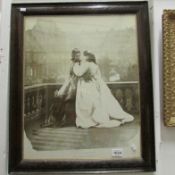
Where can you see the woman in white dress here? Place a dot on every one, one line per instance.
(95, 104)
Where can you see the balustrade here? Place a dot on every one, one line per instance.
(38, 98)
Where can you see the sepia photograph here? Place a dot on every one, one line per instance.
(81, 85)
(81, 94)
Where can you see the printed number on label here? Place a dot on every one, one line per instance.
(118, 152)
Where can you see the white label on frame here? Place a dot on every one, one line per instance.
(117, 152)
(23, 9)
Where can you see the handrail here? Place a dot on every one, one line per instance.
(59, 84)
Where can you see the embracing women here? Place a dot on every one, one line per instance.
(95, 106)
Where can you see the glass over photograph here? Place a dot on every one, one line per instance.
(81, 87)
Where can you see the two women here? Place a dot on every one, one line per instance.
(95, 104)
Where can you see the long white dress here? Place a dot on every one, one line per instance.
(95, 104)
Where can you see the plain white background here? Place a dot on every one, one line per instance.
(165, 137)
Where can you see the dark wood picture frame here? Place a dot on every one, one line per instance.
(16, 162)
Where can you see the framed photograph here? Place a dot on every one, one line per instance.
(81, 88)
(168, 67)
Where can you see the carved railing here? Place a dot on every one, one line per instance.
(38, 98)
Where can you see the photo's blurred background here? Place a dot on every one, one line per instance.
(48, 42)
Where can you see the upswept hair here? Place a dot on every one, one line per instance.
(74, 52)
(90, 56)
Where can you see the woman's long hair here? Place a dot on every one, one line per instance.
(90, 57)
